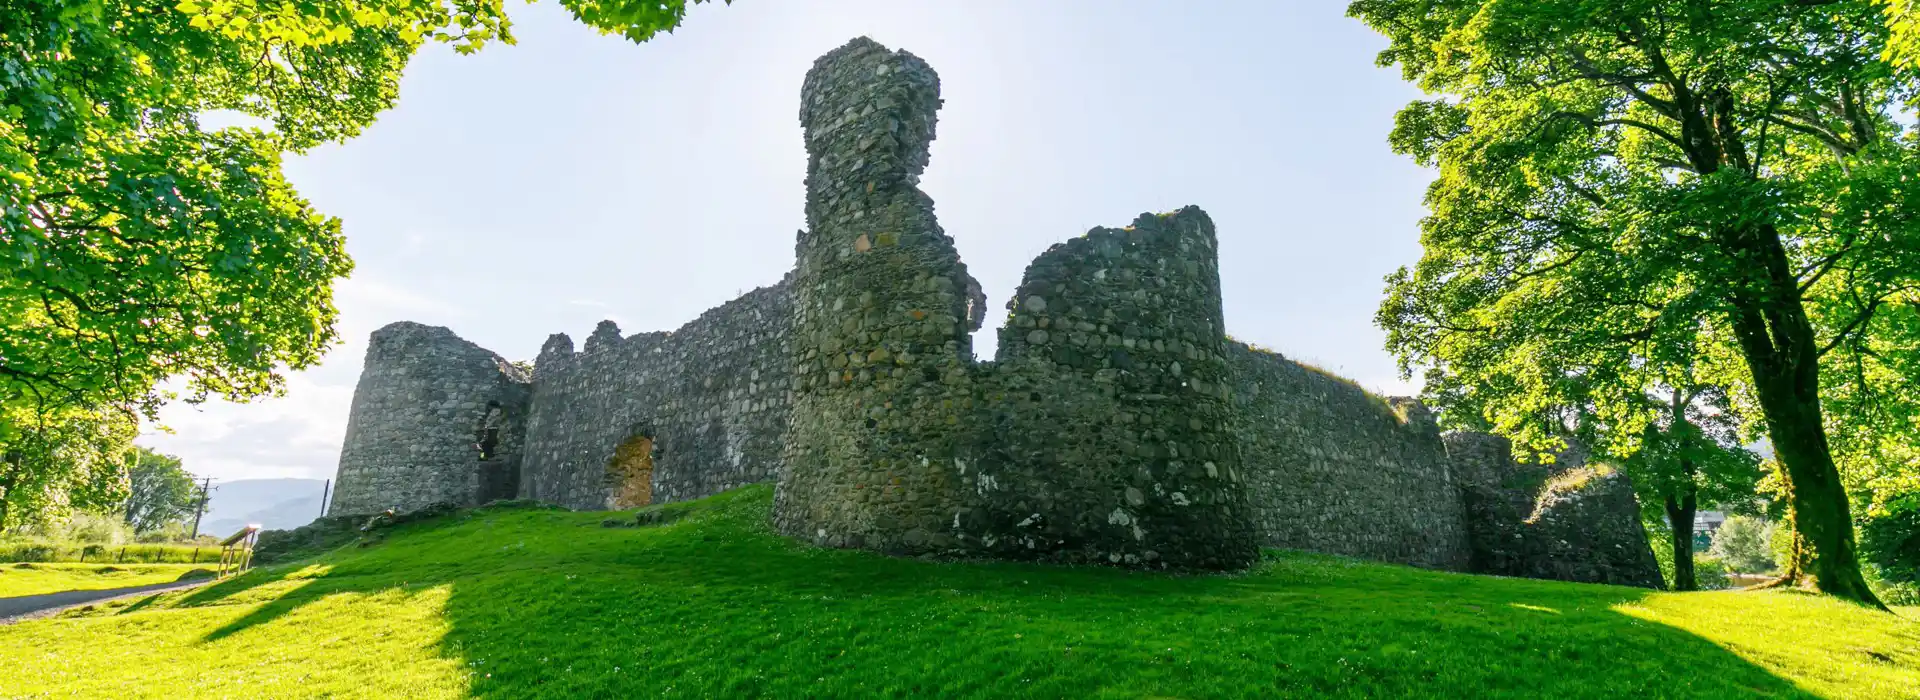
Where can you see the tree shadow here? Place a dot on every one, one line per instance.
(549, 605)
(140, 604)
(238, 590)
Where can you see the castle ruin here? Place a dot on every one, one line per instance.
(1117, 423)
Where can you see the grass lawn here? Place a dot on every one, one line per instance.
(35, 579)
(540, 603)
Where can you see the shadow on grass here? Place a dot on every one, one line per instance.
(544, 604)
(140, 604)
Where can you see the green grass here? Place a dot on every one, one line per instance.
(540, 603)
(35, 579)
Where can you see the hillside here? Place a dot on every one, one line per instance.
(275, 504)
(507, 602)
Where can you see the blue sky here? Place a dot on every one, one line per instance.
(541, 187)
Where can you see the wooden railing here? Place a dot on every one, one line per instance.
(236, 551)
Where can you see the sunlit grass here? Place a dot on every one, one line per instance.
(540, 603)
(35, 579)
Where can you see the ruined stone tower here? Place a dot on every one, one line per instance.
(1102, 434)
(882, 347)
(435, 418)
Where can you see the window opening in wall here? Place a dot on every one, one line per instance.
(631, 471)
(487, 438)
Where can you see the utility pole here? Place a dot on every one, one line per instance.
(325, 491)
(202, 510)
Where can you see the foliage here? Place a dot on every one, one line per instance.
(1649, 196)
(1780, 541)
(41, 549)
(176, 531)
(545, 603)
(1899, 593)
(1903, 18)
(1710, 572)
(37, 579)
(1660, 538)
(160, 491)
(137, 246)
(1890, 539)
(1742, 544)
(60, 460)
(80, 527)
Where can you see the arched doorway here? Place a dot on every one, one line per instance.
(631, 471)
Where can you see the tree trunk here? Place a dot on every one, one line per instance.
(1680, 518)
(1778, 344)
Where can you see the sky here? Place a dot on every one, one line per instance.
(541, 187)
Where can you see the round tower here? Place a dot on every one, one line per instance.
(435, 419)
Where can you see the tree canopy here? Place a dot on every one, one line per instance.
(137, 245)
(1637, 197)
(159, 491)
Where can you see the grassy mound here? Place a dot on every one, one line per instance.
(35, 579)
(517, 602)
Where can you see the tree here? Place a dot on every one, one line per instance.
(1690, 456)
(137, 246)
(72, 460)
(1741, 542)
(159, 491)
(1651, 179)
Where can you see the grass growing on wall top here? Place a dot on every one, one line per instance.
(541, 603)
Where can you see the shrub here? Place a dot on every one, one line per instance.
(36, 550)
(1902, 593)
(1742, 544)
(97, 529)
(1890, 540)
(170, 532)
(1660, 538)
(1780, 543)
(1710, 572)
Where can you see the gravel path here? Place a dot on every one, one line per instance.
(36, 606)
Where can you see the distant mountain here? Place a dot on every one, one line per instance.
(273, 504)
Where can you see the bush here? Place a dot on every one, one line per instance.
(1742, 545)
(38, 550)
(1903, 593)
(1710, 572)
(1890, 540)
(1660, 538)
(84, 527)
(170, 532)
(1780, 543)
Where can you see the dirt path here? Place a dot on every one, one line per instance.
(36, 606)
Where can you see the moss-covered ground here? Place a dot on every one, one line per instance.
(22, 579)
(542, 603)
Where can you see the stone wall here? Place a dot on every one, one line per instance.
(1562, 520)
(434, 418)
(1117, 425)
(711, 396)
(1337, 470)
